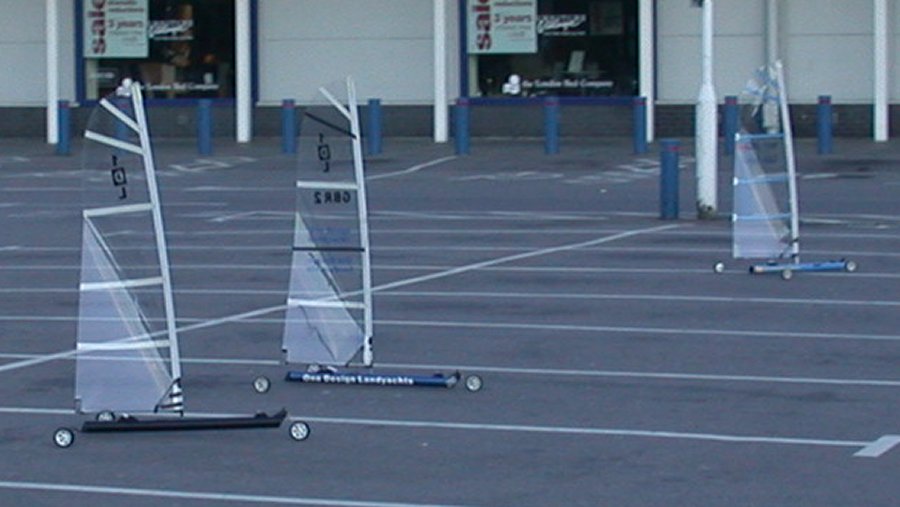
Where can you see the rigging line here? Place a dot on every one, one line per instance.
(391, 285)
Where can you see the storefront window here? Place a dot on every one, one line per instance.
(552, 47)
(176, 48)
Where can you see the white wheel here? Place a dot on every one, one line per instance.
(850, 266)
(63, 437)
(719, 267)
(262, 384)
(106, 416)
(787, 274)
(299, 431)
(474, 383)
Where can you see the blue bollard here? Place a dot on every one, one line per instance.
(288, 126)
(204, 126)
(64, 126)
(668, 179)
(639, 111)
(551, 125)
(823, 124)
(375, 122)
(461, 126)
(730, 123)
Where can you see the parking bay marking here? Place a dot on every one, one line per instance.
(869, 449)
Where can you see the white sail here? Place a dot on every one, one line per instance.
(127, 357)
(764, 221)
(329, 307)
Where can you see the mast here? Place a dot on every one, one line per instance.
(176, 398)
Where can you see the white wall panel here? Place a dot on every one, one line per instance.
(23, 53)
(393, 79)
(828, 48)
(840, 66)
(739, 47)
(386, 45)
(827, 17)
(894, 51)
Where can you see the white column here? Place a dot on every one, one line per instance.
(440, 71)
(772, 49)
(52, 36)
(646, 61)
(882, 62)
(706, 135)
(243, 82)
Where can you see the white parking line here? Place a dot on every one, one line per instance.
(554, 372)
(640, 330)
(400, 294)
(401, 283)
(868, 448)
(200, 495)
(615, 432)
(413, 169)
(254, 317)
(879, 447)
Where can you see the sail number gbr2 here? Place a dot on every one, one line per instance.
(332, 197)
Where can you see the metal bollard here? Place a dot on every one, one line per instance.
(375, 123)
(551, 125)
(639, 112)
(204, 126)
(288, 126)
(461, 126)
(730, 123)
(64, 125)
(668, 179)
(823, 124)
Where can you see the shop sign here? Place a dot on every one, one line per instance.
(562, 25)
(502, 26)
(115, 29)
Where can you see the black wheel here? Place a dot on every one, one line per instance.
(106, 416)
(474, 383)
(262, 384)
(719, 267)
(63, 437)
(850, 266)
(299, 431)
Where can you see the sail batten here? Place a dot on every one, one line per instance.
(120, 284)
(113, 142)
(116, 210)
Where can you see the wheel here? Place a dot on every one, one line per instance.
(105, 416)
(299, 431)
(63, 437)
(787, 274)
(850, 266)
(262, 384)
(474, 383)
(719, 267)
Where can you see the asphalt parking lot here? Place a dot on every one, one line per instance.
(619, 369)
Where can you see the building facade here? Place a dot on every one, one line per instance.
(419, 56)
